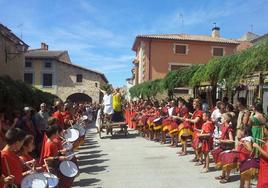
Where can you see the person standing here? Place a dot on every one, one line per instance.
(108, 103)
(243, 117)
(263, 172)
(117, 106)
(41, 118)
(257, 122)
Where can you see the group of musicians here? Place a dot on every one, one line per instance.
(24, 153)
(227, 137)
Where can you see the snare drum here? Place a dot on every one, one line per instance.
(71, 135)
(36, 180)
(158, 121)
(81, 129)
(52, 180)
(68, 169)
(68, 146)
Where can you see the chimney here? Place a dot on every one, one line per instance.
(215, 32)
(44, 46)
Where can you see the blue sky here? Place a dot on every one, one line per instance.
(99, 34)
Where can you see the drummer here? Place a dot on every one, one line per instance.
(226, 140)
(206, 139)
(196, 122)
(5, 180)
(51, 150)
(11, 164)
(181, 115)
(67, 116)
(25, 154)
(58, 113)
(172, 111)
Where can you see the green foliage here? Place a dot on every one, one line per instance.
(16, 95)
(146, 89)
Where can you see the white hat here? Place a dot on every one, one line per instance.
(27, 108)
(248, 138)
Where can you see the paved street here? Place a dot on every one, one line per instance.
(134, 162)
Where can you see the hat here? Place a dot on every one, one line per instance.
(43, 104)
(27, 108)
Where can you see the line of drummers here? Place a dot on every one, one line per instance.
(38, 148)
(234, 136)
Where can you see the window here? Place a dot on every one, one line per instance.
(47, 80)
(176, 67)
(173, 67)
(217, 51)
(79, 78)
(28, 64)
(28, 78)
(48, 65)
(181, 49)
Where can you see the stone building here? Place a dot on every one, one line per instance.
(53, 71)
(11, 54)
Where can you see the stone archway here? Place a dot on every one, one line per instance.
(79, 98)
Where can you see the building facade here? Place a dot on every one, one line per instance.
(53, 71)
(12, 51)
(156, 55)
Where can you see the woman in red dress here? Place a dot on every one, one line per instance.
(196, 122)
(263, 172)
(206, 140)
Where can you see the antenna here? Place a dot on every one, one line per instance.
(251, 28)
(182, 21)
(20, 26)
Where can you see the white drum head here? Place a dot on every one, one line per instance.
(34, 181)
(67, 145)
(84, 117)
(71, 135)
(157, 119)
(68, 169)
(81, 129)
(52, 179)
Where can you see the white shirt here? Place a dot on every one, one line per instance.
(215, 115)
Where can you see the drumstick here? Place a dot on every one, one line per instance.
(7, 166)
(260, 140)
(46, 165)
(70, 155)
(8, 170)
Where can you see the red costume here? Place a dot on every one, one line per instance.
(60, 118)
(225, 130)
(198, 125)
(14, 165)
(263, 173)
(207, 142)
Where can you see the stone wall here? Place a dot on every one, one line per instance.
(67, 85)
(11, 65)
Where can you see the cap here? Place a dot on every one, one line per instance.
(27, 108)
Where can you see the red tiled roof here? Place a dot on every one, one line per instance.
(186, 37)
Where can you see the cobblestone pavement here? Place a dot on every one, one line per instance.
(134, 162)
